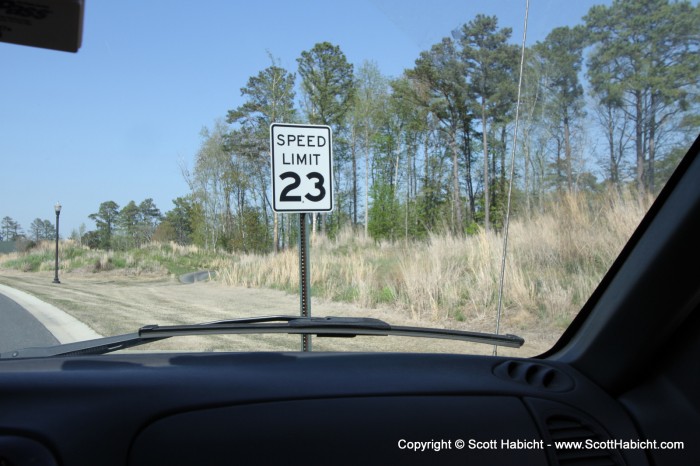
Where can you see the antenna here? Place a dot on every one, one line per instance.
(510, 182)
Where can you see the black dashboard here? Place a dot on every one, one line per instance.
(316, 408)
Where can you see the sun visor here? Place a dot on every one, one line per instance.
(49, 24)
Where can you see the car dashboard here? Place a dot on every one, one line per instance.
(319, 408)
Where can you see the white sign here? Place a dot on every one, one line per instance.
(302, 168)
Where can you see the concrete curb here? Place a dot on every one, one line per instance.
(193, 277)
(65, 327)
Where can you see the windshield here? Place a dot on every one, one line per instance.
(184, 141)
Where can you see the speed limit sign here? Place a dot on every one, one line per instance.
(302, 168)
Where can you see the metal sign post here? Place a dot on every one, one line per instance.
(304, 298)
(301, 165)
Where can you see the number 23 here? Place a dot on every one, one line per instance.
(286, 197)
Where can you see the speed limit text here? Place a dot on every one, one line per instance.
(301, 140)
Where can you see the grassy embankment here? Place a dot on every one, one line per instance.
(555, 259)
(152, 259)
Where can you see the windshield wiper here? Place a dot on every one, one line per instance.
(344, 327)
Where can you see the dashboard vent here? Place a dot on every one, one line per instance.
(564, 429)
(535, 375)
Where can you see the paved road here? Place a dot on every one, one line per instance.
(20, 329)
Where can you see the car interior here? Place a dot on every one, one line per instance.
(625, 371)
(621, 387)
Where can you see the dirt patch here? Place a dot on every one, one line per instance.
(114, 302)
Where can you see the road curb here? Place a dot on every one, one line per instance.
(200, 276)
(63, 326)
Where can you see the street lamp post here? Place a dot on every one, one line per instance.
(57, 208)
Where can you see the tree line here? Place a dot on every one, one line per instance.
(608, 104)
(39, 230)
(430, 150)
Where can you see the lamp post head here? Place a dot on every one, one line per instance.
(57, 208)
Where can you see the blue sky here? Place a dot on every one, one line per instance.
(117, 120)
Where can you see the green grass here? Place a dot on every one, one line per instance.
(30, 262)
(169, 259)
(384, 295)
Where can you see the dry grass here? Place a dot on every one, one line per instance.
(114, 303)
(555, 260)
